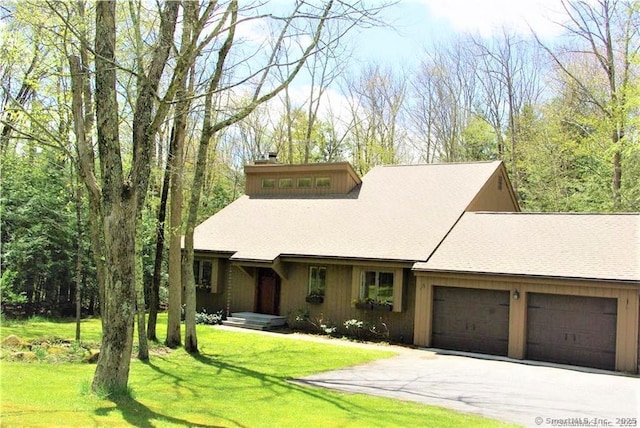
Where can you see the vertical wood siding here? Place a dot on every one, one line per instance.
(495, 195)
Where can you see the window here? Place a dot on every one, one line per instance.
(285, 183)
(268, 183)
(202, 273)
(323, 182)
(377, 286)
(317, 280)
(304, 183)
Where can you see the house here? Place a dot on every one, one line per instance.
(549, 287)
(392, 249)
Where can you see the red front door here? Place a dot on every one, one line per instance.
(268, 292)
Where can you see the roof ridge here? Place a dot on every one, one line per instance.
(438, 164)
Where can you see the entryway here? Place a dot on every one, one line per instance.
(267, 292)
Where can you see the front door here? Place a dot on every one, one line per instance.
(268, 292)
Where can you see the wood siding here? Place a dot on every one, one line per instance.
(238, 295)
(343, 178)
(627, 324)
(496, 195)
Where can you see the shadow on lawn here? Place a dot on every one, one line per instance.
(139, 415)
(272, 381)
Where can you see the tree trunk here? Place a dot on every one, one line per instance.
(154, 295)
(112, 371)
(119, 203)
(78, 279)
(143, 347)
(175, 257)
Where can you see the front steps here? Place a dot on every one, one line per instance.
(254, 321)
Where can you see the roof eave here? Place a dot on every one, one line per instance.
(527, 275)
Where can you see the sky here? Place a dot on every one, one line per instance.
(415, 25)
(421, 23)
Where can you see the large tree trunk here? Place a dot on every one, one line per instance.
(112, 371)
(119, 203)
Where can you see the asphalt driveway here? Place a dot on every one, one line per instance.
(530, 395)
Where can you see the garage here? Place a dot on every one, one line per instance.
(472, 320)
(574, 330)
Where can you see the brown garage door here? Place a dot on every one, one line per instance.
(468, 319)
(574, 330)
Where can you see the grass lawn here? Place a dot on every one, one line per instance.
(238, 379)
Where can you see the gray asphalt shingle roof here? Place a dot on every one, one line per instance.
(585, 246)
(397, 213)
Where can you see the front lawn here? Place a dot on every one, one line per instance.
(238, 379)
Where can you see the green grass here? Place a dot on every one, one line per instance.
(239, 379)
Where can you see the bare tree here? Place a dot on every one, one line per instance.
(605, 33)
(509, 78)
(445, 91)
(376, 100)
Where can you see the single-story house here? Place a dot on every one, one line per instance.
(439, 254)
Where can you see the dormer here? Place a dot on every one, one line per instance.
(271, 178)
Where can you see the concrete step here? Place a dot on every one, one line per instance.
(244, 324)
(268, 320)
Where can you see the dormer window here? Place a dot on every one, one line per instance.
(304, 183)
(285, 183)
(323, 182)
(268, 183)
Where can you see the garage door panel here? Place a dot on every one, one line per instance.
(575, 330)
(471, 320)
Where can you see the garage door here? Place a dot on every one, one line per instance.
(473, 320)
(572, 330)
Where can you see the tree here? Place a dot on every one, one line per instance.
(606, 36)
(509, 79)
(376, 99)
(445, 92)
(308, 19)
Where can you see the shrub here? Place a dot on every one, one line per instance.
(206, 318)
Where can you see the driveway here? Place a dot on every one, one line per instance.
(527, 394)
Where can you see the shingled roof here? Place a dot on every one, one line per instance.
(398, 213)
(582, 246)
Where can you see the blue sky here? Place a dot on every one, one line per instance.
(420, 23)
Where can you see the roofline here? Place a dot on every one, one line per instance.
(524, 275)
(296, 257)
(303, 167)
(540, 213)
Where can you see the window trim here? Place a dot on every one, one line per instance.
(268, 183)
(200, 276)
(304, 179)
(398, 284)
(377, 272)
(326, 180)
(314, 291)
(282, 185)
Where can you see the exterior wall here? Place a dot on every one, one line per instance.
(496, 195)
(627, 337)
(235, 289)
(237, 294)
(338, 301)
(343, 178)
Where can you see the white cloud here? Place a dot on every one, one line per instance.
(487, 16)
